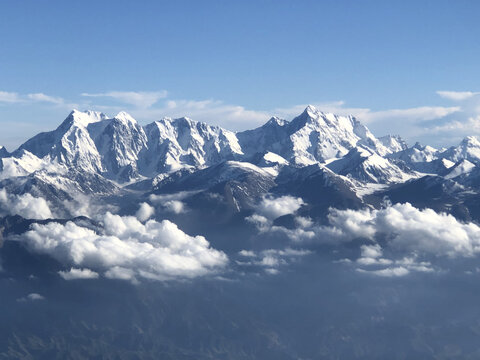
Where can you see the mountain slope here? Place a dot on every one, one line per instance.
(70, 143)
(183, 143)
(367, 166)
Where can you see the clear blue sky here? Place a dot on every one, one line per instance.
(260, 55)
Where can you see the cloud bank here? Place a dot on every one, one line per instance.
(127, 249)
(397, 240)
(408, 228)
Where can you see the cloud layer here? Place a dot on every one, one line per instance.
(397, 240)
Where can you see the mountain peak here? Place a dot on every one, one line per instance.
(393, 142)
(84, 118)
(276, 121)
(311, 111)
(125, 117)
(470, 141)
(3, 152)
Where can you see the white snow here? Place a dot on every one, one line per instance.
(464, 167)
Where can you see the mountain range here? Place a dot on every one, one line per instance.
(93, 154)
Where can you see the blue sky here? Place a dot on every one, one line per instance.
(235, 63)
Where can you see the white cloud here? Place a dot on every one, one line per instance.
(10, 97)
(128, 249)
(247, 253)
(121, 273)
(31, 297)
(272, 208)
(412, 237)
(145, 212)
(140, 99)
(213, 112)
(417, 114)
(172, 202)
(45, 98)
(160, 199)
(25, 205)
(388, 272)
(271, 259)
(13, 97)
(457, 95)
(458, 128)
(409, 228)
(74, 274)
(175, 206)
(84, 205)
(452, 128)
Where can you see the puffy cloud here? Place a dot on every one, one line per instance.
(84, 205)
(172, 202)
(371, 256)
(407, 227)
(247, 253)
(24, 205)
(145, 212)
(175, 206)
(127, 248)
(140, 99)
(74, 274)
(469, 126)
(31, 297)
(271, 259)
(412, 238)
(272, 208)
(121, 273)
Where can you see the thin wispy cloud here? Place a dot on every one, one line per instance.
(12, 98)
(46, 98)
(457, 95)
(9, 97)
(140, 99)
(435, 125)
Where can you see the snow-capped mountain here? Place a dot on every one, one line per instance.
(416, 154)
(394, 143)
(118, 142)
(468, 149)
(312, 137)
(366, 165)
(463, 167)
(70, 144)
(182, 143)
